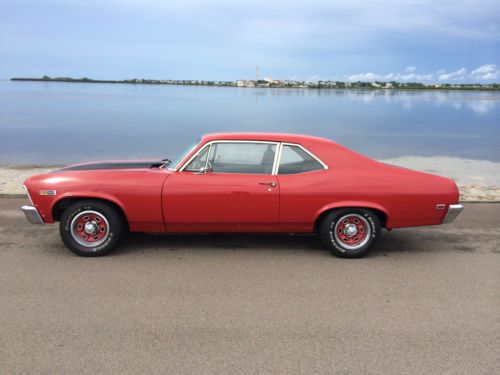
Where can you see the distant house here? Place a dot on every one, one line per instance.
(245, 83)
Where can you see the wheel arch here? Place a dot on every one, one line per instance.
(380, 211)
(64, 202)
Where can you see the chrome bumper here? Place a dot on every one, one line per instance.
(453, 211)
(32, 215)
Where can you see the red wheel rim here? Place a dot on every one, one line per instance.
(90, 228)
(352, 231)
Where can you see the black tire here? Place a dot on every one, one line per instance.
(336, 237)
(104, 216)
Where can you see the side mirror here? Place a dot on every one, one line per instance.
(204, 170)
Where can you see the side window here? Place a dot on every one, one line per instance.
(242, 157)
(295, 160)
(199, 161)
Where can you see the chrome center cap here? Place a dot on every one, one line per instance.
(350, 230)
(90, 227)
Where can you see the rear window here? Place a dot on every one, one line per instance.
(296, 160)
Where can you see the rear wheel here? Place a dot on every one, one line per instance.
(350, 232)
(90, 228)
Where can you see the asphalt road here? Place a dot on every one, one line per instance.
(426, 301)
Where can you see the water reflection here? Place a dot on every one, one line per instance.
(51, 123)
(477, 101)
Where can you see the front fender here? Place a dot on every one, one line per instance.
(83, 194)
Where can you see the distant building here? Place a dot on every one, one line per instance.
(268, 79)
(245, 83)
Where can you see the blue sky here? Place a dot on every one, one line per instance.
(411, 40)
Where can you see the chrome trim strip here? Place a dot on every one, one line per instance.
(196, 155)
(32, 215)
(28, 193)
(452, 213)
(208, 156)
(277, 159)
(176, 168)
(30, 210)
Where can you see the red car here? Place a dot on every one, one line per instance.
(247, 182)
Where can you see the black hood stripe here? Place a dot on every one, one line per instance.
(112, 165)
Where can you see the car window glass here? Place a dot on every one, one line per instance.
(295, 160)
(199, 161)
(242, 157)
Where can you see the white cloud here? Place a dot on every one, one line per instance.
(412, 77)
(364, 77)
(486, 72)
(458, 74)
(400, 77)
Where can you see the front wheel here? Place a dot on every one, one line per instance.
(350, 232)
(90, 228)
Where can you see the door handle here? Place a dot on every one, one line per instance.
(272, 184)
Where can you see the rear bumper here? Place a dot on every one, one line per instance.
(32, 215)
(453, 211)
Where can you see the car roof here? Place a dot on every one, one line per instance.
(274, 137)
(329, 152)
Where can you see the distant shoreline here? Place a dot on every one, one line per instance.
(277, 84)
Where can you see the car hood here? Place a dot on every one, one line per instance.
(113, 164)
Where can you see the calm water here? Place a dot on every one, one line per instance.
(46, 123)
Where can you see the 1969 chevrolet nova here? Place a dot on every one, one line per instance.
(247, 182)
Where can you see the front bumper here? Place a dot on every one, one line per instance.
(32, 215)
(453, 211)
(30, 210)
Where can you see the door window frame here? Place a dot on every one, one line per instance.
(277, 154)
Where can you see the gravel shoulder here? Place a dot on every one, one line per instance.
(425, 301)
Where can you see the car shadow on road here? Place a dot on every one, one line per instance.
(398, 241)
(141, 242)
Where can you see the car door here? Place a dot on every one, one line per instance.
(226, 186)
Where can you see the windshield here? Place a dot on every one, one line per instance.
(172, 166)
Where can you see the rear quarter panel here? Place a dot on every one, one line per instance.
(407, 198)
